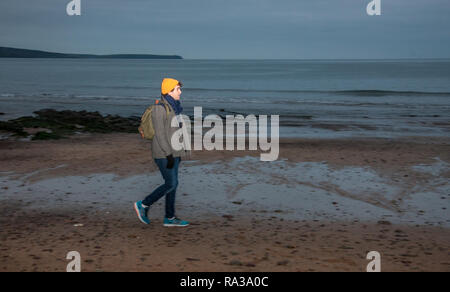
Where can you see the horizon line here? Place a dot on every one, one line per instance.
(235, 59)
(317, 59)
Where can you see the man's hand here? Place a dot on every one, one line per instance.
(170, 161)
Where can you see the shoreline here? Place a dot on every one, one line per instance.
(79, 150)
(59, 122)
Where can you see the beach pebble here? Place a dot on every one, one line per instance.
(384, 223)
(235, 263)
(78, 225)
(229, 217)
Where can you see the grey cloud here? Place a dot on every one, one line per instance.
(232, 28)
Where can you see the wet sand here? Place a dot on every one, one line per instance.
(356, 196)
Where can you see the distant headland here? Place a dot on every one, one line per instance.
(6, 52)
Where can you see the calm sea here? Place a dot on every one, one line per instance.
(316, 98)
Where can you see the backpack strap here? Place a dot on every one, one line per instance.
(163, 103)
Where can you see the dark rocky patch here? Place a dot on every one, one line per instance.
(67, 122)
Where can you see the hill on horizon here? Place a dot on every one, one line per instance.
(7, 52)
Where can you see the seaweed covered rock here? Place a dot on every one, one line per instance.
(67, 122)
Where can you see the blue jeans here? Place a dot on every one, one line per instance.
(169, 187)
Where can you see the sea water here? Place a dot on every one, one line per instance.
(314, 98)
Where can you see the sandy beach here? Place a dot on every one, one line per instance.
(321, 207)
(348, 103)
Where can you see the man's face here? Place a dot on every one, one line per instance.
(176, 92)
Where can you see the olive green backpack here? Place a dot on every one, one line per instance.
(146, 128)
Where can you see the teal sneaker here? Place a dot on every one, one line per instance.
(175, 222)
(141, 212)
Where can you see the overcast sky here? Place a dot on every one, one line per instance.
(227, 29)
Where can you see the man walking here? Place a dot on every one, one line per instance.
(167, 159)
